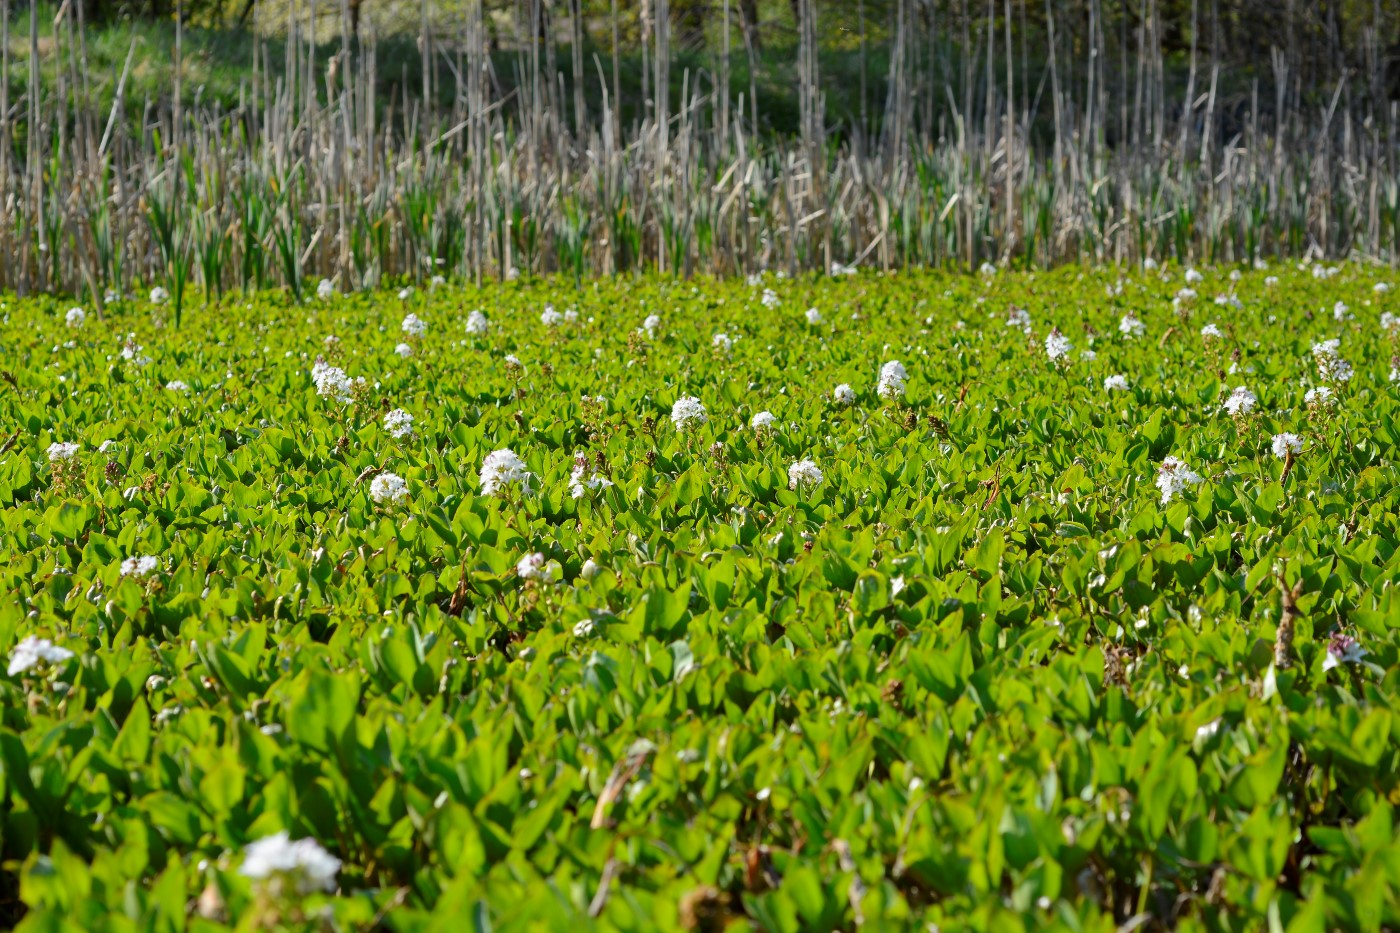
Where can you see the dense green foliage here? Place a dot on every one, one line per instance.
(980, 676)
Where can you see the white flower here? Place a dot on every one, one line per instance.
(1149, 264)
(406, 293)
(325, 290)
(550, 318)
(1088, 355)
(533, 567)
(1343, 649)
(111, 295)
(1390, 323)
(891, 384)
(1241, 401)
(844, 394)
(804, 472)
(1330, 365)
(62, 451)
(1284, 444)
(762, 420)
(106, 445)
(583, 628)
(838, 269)
(477, 323)
(1208, 730)
(687, 413)
(1318, 397)
(175, 385)
(399, 424)
(1057, 344)
(131, 352)
(414, 326)
(1270, 281)
(404, 350)
(591, 568)
(1019, 318)
(721, 342)
(1130, 326)
(388, 487)
(32, 650)
(1210, 331)
(159, 296)
(1184, 296)
(1381, 287)
(501, 468)
(1193, 277)
(75, 317)
(1227, 301)
(650, 325)
(988, 269)
(513, 362)
(814, 316)
(332, 383)
(139, 567)
(770, 298)
(1340, 312)
(436, 281)
(1115, 384)
(571, 316)
(1173, 477)
(304, 861)
(580, 482)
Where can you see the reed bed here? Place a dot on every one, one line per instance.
(476, 175)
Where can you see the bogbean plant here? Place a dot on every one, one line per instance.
(1006, 602)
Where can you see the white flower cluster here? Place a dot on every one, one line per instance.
(1115, 384)
(770, 299)
(139, 567)
(159, 296)
(1193, 277)
(1284, 444)
(388, 487)
(404, 350)
(688, 413)
(1174, 476)
(650, 325)
(414, 326)
(533, 567)
(332, 383)
(580, 482)
(399, 424)
(1057, 345)
(1019, 318)
(814, 316)
(804, 473)
(1241, 401)
(762, 421)
(60, 451)
(503, 468)
(303, 861)
(1130, 326)
(1330, 365)
(844, 394)
(325, 290)
(477, 323)
(721, 342)
(177, 385)
(1211, 332)
(892, 379)
(33, 651)
(551, 318)
(1318, 397)
(75, 317)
